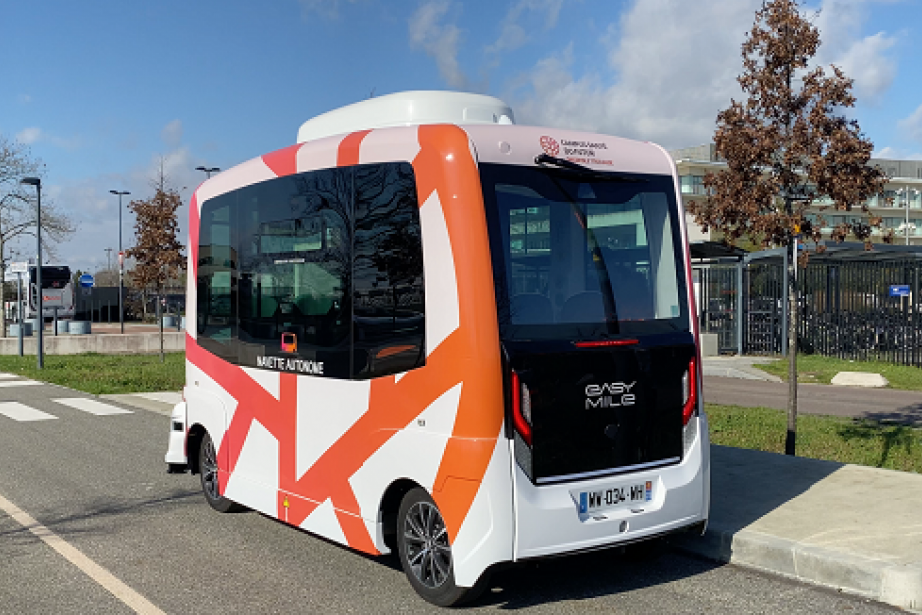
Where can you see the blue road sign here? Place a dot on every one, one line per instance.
(86, 280)
(899, 290)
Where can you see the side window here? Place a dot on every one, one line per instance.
(295, 309)
(216, 305)
(388, 297)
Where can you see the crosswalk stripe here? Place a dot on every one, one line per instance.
(92, 406)
(19, 383)
(22, 412)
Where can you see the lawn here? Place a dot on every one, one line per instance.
(862, 442)
(819, 369)
(102, 373)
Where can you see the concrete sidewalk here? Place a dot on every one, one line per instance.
(848, 527)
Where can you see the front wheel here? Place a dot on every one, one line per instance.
(425, 551)
(208, 469)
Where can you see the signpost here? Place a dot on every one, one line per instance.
(19, 269)
(901, 290)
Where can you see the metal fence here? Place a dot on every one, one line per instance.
(846, 308)
(847, 311)
(717, 304)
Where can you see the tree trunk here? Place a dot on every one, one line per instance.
(791, 291)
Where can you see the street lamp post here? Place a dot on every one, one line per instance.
(208, 171)
(108, 252)
(121, 260)
(37, 182)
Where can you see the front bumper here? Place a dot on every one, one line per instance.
(176, 456)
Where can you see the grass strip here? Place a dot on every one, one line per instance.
(819, 369)
(103, 373)
(858, 441)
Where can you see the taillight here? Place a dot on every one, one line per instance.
(689, 391)
(521, 408)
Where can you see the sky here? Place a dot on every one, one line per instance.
(103, 91)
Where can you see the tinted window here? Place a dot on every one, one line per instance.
(276, 287)
(216, 317)
(295, 273)
(388, 267)
(581, 256)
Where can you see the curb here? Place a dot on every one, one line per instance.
(897, 585)
(136, 400)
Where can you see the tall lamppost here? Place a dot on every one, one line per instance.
(208, 171)
(37, 182)
(121, 260)
(108, 252)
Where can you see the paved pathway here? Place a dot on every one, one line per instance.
(878, 404)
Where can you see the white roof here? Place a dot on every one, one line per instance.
(407, 109)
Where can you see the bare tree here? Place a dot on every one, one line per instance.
(157, 251)
(788, 145)
(17, 208)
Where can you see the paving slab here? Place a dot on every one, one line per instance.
(853, 528)
(860, 379)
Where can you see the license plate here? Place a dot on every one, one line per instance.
(616, 496)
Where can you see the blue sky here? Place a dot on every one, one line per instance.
(102, 90)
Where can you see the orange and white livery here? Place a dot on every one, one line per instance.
(427, 330)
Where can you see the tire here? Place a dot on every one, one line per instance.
(208, 472)
(425, 551)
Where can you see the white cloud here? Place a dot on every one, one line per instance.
(671, 66)
(30, 135)
(865, 59)
(896, 153)
(513, 34)
(34, 134)
(171, 134)
(427, 32)
(912, 125)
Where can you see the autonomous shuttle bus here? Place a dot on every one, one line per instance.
(426, 330)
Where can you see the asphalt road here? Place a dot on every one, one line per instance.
(99, 483)
(878, 404)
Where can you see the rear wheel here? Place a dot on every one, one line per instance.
(425, 551)
(208, 469)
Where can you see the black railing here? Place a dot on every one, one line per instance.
(846, 309)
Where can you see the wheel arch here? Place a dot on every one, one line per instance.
(390, 506)
(193, 446)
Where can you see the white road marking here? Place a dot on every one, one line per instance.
(6, 376)
(92, 406)
(109, 582)
(22, 412)
(19, 383)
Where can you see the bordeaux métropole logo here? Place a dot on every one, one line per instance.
(550, 146)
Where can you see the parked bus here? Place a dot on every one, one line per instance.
(425, 330)
(57, 292)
